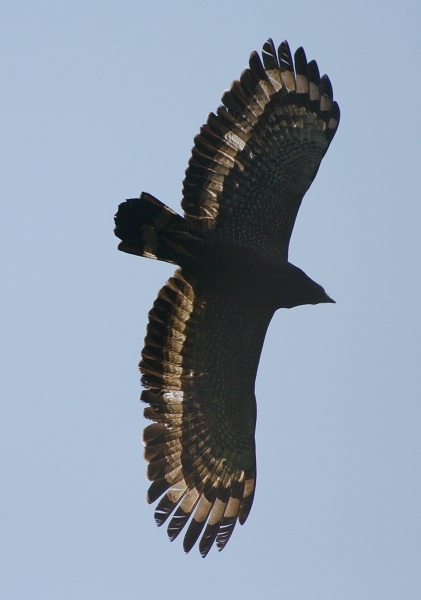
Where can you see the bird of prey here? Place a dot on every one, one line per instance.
(251, 165)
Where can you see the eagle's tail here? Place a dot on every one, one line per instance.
(149, 228)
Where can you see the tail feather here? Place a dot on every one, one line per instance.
(149, 228)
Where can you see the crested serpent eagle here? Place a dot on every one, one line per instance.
(251, 165)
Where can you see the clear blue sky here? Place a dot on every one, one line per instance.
(101, 100)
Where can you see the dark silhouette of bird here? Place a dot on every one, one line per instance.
(251, 165)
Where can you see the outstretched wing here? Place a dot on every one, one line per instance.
(199, 362)
(255, 159)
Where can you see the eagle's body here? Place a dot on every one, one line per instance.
(251, 165)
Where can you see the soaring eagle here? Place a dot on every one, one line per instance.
(250, 167)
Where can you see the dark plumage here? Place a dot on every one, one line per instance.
(251, 165)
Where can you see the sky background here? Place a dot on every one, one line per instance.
(101, 100)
